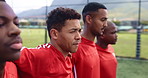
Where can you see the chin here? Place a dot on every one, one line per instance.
(73, 51)
(100, 33)
(113, 43)
(14, 57)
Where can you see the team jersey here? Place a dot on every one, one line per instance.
(10, 70)
(108, 62)
(44, 62)
(86, 60)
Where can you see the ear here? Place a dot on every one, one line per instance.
(54, 33)
(88, 19)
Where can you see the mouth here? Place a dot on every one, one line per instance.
(102, 29)
(116, 40)
(16, 45)
(77, 43)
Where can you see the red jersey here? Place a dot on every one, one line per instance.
(44, 62)
(10, 70)
(108, 62)
(86, 60)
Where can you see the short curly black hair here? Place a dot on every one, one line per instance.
(92, 7)
(57, 18)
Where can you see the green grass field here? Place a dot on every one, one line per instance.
(128, 68)
(126, 46)
(33, 37)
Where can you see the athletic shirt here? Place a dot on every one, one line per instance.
(10, 70)
(45, 61)
(108, 62)
(86, 60)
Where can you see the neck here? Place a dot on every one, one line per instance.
(88, 34)
(102, 44)
(53, 43)
(2, 66)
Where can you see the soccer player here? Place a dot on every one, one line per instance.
(53, 60)
(108, 62)
(86, 61)
(10, 41)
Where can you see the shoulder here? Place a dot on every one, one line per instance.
(34, 50)
(10, 70)
(38, 49)
(110, 48)
(38, 52)
(85, 50)
(10, 64)
(34, 55)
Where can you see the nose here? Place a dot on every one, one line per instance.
(78, 36)
(13, 30)
(105, 24)
(116, 35)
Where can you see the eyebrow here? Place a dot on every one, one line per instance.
(2, 17)
(5, 18)
(75, 29)
(104, 18)
(15, 17)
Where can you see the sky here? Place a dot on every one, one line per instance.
(22, 5)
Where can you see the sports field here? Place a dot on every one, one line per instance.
(125, 46)
(33, 37)
(131, 68)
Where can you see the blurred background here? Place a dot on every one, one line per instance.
(130, 16)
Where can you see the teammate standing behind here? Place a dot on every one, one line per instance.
(86, 60)
(10, 41)
(53, 60)
(108, 62)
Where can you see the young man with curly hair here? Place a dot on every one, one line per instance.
(53, 60)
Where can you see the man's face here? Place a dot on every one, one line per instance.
(99, 21)
(10, 41)
(110, 35)
(69, 37)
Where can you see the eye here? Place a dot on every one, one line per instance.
(16, 22)
(113, 32)
(1, 23)
(103, 19)
(80, 30)
(72, 31)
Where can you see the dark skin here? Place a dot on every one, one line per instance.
(10, 40)
(2, 65)
(94, 24)
(109, 36)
